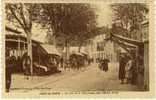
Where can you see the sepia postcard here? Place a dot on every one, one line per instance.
(78, 48)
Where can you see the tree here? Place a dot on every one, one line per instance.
(70, 21)
(130, 16)
(21, 15)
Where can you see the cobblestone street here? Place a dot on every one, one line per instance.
(88, 79)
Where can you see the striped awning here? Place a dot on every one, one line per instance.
(50, 49)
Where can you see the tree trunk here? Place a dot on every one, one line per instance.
(79, 48)
(67, 49)
(80, 45)
(54, 40)
(29, 45)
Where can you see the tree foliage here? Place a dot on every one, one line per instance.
(21, 15)
(70, 21)
(130, 15)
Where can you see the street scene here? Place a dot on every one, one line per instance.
(84, 80)
(76, 47)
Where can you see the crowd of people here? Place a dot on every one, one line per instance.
(75, 63)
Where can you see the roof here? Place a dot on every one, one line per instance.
(51, 49)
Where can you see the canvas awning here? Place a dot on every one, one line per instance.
(50, 49)
(128, 40)
(12, 30)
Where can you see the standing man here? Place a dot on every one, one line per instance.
(9, 64)
(61, 62)
(122, 64)
(105, 65)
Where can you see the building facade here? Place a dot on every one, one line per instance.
(99, 48)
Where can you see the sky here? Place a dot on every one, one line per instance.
(104, 14)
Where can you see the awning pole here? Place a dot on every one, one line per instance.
(18, 46)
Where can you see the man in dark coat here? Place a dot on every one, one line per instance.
(134, 73)
(105, 64)
(61, 62)
(122, 64)
(10, 64)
